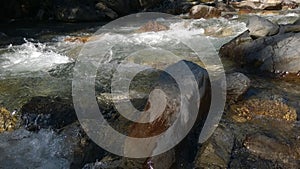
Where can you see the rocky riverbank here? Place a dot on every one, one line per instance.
(103, 10)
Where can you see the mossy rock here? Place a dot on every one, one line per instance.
(8, 122)
(255, 108)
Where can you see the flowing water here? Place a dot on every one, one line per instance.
(42, 65)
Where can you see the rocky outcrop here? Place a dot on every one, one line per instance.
(202, 11)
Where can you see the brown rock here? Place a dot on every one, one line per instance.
(202, 11)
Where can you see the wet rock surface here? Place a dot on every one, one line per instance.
(177, 156)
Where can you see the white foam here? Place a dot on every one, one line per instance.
(30, 57)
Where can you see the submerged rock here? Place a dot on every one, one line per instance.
(8, 121)
(152, 26)
(255, 108)
(47, 112)
(219, 32)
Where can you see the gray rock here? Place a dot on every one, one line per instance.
(260, 27)
(237, 84)
(279, 53)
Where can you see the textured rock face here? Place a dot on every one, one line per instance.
(260, 27)
(277, 53)
(202, 11)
